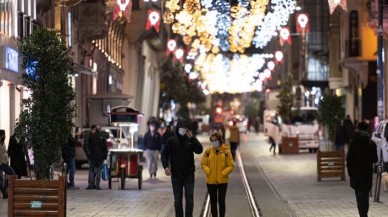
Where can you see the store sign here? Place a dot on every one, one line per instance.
(10, 59)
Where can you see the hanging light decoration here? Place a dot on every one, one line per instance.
(334, 3)
(123, 8)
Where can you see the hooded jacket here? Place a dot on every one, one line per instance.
(217, 164)
(178, 153)
(361, 156)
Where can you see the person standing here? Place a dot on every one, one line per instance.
(17, 157)
(178, 162)
(217, 163)
(98, 152)
(68, 154)
(361, 156)
(153, 145)
(4, 167)
(234, 138)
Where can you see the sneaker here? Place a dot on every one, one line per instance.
(89, 188)
(98, 188)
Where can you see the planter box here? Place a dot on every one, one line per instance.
(37, 197)
(290, 145)
(331, 164)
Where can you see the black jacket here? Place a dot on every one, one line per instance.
(68, 149)
(178, 153)
(152, 142)
(361, 156)
(98, 148)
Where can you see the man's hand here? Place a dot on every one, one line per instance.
(167, 171)
(189, 133)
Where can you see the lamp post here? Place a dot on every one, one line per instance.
(380, 63)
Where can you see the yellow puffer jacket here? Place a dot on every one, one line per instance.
(217, 164)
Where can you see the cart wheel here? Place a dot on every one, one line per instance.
(140, 176)
(122, 178)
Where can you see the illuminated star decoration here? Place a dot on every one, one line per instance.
(334, 3)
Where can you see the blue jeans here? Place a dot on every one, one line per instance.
(178, 183)
(70, 170)
(8, 171)
(362, 198)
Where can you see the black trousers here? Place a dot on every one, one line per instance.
(362, 197)
(217, 193)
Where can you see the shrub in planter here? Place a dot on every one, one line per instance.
(47, 114)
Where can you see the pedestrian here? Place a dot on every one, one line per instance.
(153, 145)
(361, 156)
(234, 138)
(98, 152)
(194, 126)
(178, 162)
(68, 154)
(4, 167)
(217, 163)
(17, 157)
(340, 137)
(166, 132)
(349, 126)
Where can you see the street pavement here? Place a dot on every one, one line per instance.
(289, 182)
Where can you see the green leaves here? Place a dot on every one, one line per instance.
(47, 117)
(331, 113)
(286, 99)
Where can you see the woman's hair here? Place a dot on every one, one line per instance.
(218, 136)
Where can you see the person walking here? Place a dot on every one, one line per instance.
(98, 152)
(17, 157)
(178, 162)
(68, 154)
(234, 138)
(361, 156)
(4, 167)
(217, 163)
(153, 145)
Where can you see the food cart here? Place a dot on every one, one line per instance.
(124, 161)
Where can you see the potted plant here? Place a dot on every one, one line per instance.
(330, 163)
(46, 118)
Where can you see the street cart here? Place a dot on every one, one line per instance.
(124, 161)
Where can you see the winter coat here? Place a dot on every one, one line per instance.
(361, 156)
(98, 148)
(178, 153)
(17, 156)
(217, 164)
(68, 149)
(152, 142)
(3, 154)
(234, 134)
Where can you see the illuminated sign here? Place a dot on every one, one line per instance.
(11, 59)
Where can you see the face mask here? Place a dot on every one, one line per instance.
(152, 128)
(182, 131)
(216, 144)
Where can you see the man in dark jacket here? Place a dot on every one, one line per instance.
(361, 156)
(153, 145)
(98, 152)
(178, 162)
(68, 154)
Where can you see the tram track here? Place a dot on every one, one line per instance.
(254, 209)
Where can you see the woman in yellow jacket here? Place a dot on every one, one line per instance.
(217, 163)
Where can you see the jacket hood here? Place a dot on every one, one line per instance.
(361, 136)
(182, 123)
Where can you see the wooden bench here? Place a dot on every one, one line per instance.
(37, 197)
(331, 164)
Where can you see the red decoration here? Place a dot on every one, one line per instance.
(153, 20)
(118, 12)
(302, 23)
(284, 36)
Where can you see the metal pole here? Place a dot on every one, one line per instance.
(380, 63)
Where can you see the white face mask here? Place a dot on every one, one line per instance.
(152, 128)
(182, 131)
(216, 144)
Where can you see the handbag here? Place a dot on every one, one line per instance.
(105, 171)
